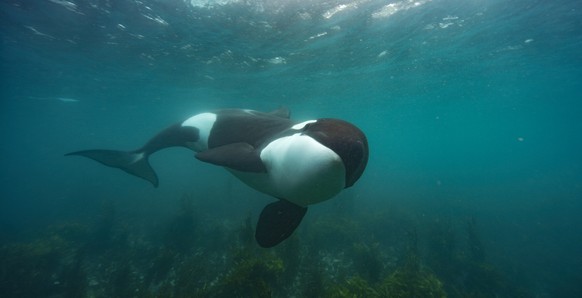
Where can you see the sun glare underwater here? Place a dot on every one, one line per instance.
(466, 179)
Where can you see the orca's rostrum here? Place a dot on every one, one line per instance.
(299, 163)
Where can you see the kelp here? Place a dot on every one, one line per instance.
(188, 257)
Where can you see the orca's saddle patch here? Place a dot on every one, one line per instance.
(277, 222)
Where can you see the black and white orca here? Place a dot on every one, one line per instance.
(299, 163)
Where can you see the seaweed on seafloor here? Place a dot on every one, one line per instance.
(181, 231)
(116, 273)
(406, 283)
(174, 274)
(160, 267)
(75, 278)
(76, 234)
(251, 276)
(355, 286)
(367, 260)
(101, 235)
(191, 279)
(465, 273)
(330, 233)
(312, 280)
(334, 260)
(27, 269)
(411, 279)
(250, 270)
(106, 234)
(478, 277)
(48, 265)
(120, 282)
(290, 252)
(246, 233)
(442, 254)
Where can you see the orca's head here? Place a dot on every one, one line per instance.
(346, 140)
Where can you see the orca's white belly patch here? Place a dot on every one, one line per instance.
(299, 169)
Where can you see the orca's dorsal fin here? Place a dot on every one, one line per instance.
(277, 222)
(282, 112)
(237, 156)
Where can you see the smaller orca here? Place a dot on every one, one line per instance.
(299, 163)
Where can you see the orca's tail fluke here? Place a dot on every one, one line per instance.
(132, 162)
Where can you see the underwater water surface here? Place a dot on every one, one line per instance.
(472, 110)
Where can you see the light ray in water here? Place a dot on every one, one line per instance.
(62, 99)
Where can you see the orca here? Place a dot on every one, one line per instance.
(299, 163)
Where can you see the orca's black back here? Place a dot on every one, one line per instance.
(254, 128)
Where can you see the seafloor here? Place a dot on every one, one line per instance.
(343, 254)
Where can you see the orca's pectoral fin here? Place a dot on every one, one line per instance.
(236, 156)
(134, 162)
(277, 222)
